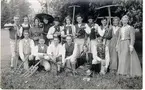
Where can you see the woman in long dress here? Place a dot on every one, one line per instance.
(113, 42)
(129, 63)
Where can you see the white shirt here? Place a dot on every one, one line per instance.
(101, 31)
(95, 26)
(115, 29)
(87, 28)
(73, 30)
(21, 48)
(51, 32)
(107, 56)
(54, 50)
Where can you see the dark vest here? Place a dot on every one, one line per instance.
(25, 28)
(80, 31)
(93, 33)
(13, 33)
(42, 50)
(67, 29)
(57, 29)
(101, 51)
(69, 49)
(26, 47)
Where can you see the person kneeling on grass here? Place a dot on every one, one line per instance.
(101, 55)
(54, 52)
(69, 53)
(26, 46)
(41, 54)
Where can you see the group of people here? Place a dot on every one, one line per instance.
(99, 47)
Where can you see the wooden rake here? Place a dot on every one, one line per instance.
(31, 70)
(19, 70)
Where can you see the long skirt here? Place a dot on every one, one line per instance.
(129, 63)
(113, 54)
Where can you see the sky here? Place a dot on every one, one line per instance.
(35, 5)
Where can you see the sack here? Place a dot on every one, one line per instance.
(108, 34)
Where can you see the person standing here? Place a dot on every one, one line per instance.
(26, 47)
(129, 63)
(113, 54)
(68, 29)
(81, 30)
(93, 35)
(105, 31)
(55, 30)
(69, 53)
(25, 25)
(36, 32)
(46, 26)
(15, 35)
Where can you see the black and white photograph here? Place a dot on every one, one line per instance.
(71, 44)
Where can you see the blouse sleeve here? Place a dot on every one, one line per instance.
(132, 36)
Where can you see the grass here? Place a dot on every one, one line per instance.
(47, 80)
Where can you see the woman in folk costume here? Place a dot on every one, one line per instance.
(55, 30)
(55, 53)
(101, 55)
(68, 29)
(36, 32)
(25, 25)
(113, 54)
(46, 26)
(26, 47)
(85, 60)
(40, 52)
(129, 63)
(105, 31)
(81, 30)
(93, 35)
(69, 53)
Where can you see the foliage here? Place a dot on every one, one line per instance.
(14, 7)
(133, 8)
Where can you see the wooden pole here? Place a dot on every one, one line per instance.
(74, 8)
(109, 12)
(73, 15)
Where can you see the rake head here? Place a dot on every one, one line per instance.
(31, 70)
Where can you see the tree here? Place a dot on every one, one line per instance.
(14, 7)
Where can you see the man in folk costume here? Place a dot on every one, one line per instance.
(15, 35)
(81, 30)
(113, 54)
(54, 52)
(93, 35)
(101, 55)
(55, 30)
(40, 52)
(68, 28)
(46, 26)
(105, 31)
(69, 53)
(26, 46)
